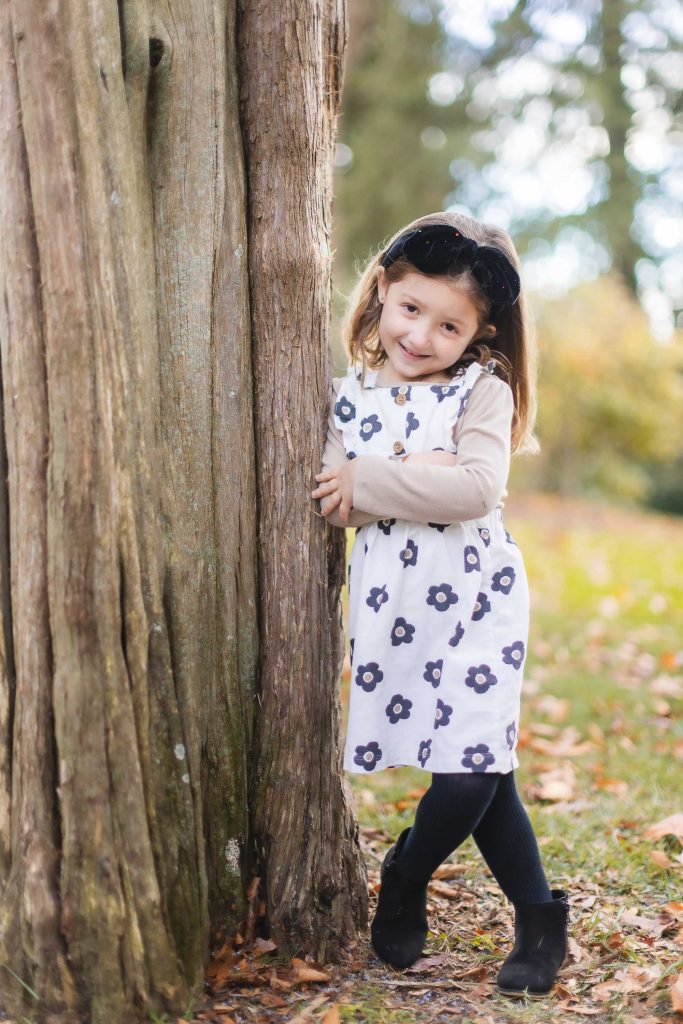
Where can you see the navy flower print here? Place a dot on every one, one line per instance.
(458, 634)
(480, 678)
(378, 596)
(370, 425)
(425, 752)
(443, 714)
(409, 554)
(368, 676)
(350, 455)
(401, 633)
(368, 756)
(481, 607)
(442, 597)
(412, 423)
(351, 643)
(511, 735)
(472, 563)
(478, 758)
(443, 391)
(485, 535)
(438, 526)
(401, 389)
(509, 539)
(398, 708)
(345, 410)
(514, 654)
(504, 579)
(385, 526)
(432, 672)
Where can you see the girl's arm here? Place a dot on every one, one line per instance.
(424, 493)
(334, 457)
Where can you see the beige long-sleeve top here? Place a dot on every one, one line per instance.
(386, 487)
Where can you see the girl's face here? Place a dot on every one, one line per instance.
(425, 326)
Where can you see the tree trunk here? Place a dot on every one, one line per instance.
(305, 832)
(128, 547)
(618, 209)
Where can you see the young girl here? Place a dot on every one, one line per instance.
(439, 390)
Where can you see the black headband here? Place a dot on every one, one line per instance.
(438, 248)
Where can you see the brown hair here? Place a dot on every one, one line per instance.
(514, 354)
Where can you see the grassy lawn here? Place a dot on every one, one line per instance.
(601, 752)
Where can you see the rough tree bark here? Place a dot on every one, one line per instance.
(128, 545)
(303, 825)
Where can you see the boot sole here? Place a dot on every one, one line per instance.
(516, 993)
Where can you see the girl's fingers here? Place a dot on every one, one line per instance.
(324, 489)
(331, 504)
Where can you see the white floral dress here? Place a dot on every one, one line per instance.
(438, 613)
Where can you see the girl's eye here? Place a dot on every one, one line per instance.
(452, 329)
(409, 307)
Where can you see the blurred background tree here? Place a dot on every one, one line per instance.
(560, 122)
(611, 396)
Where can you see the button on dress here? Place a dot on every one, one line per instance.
(438, 612)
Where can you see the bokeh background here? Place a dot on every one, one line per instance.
(561, 122)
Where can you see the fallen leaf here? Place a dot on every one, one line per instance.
(648, 925)
(567, 744)
(667, 686)
(556, 784)
(556, 708)
(302, 971)
(577, 952)
(671, 826)
(446, 871)
(261, 946)
(619, 787)
(404, 805)
(272, 999)
(660, 859)
(441, 889)
(585, 1011)
(428, 963)
(332, 1015)
(676, 993)
(668, 659)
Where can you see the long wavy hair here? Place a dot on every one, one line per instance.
(507, 339)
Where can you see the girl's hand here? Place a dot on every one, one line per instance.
(433, 458)
(336, 487)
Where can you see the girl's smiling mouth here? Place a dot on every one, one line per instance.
(411, 355)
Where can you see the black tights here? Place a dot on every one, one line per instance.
(487, 807)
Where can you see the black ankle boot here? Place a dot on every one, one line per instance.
(399, 928)
(540, 947)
